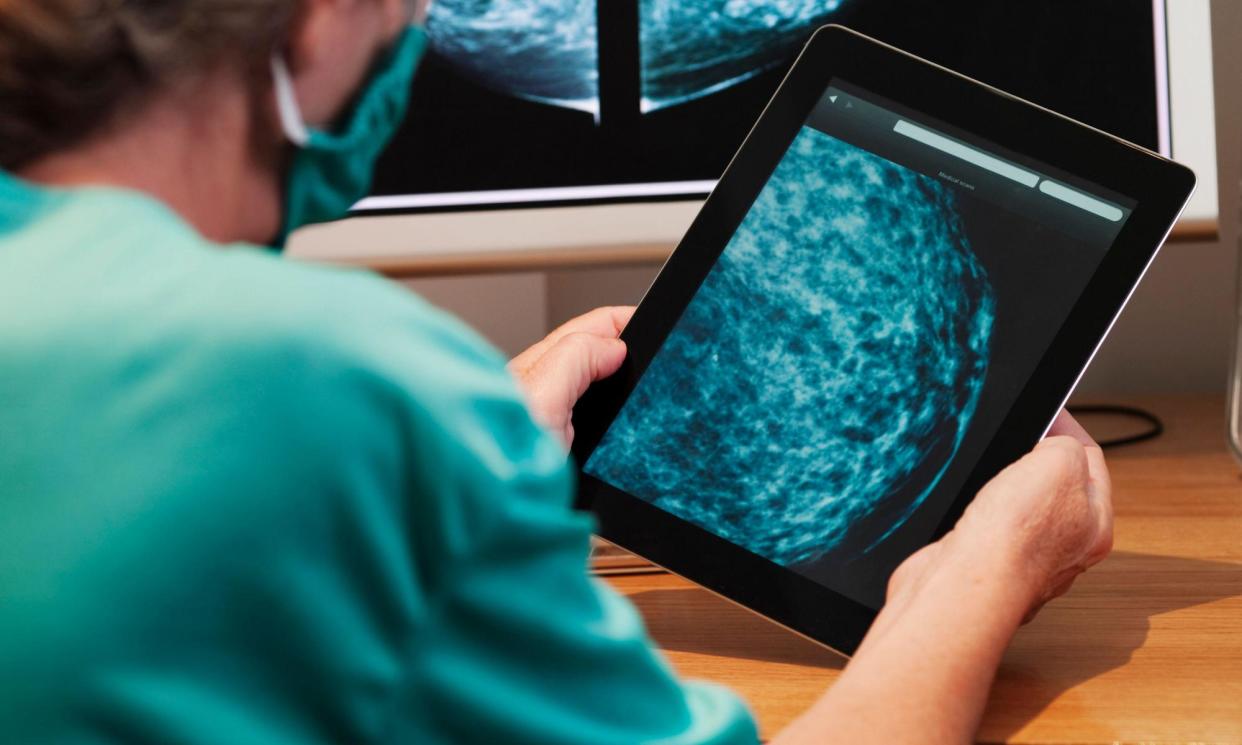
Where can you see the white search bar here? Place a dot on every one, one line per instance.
(968, 154)
(1082, 201)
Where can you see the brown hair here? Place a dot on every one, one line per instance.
(68, 68)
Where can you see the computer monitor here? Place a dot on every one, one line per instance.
(571, 132)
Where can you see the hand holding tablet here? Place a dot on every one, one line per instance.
(953, 606)
(1039, 523)
(890, 294)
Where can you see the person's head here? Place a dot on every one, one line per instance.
(73, 72)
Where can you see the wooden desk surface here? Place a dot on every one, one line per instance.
(1147, 647)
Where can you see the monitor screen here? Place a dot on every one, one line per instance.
(842, 368)
(536, 102)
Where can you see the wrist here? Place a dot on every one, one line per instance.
(988, 572)
(962, 596)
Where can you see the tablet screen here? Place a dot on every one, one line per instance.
(839, 372)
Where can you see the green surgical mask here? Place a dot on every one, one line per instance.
(332, 171)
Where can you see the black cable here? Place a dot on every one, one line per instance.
(1154, 430)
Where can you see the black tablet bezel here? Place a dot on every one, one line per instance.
(1159, 187)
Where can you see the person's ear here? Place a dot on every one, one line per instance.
(305, 43)
(421, 8)
(330, 49)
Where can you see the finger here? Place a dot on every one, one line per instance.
(1089, 469)
(1098, 480)
(1055, 465)
(1097, 467)
(607, 322)
(1065, 425)
(1100, 492)
(1026, 489)
(559, 377)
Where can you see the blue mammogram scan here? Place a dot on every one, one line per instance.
(542, 50)
(817, 386)
(692, 48)
(548, 50)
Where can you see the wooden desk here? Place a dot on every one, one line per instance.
(1147, 647)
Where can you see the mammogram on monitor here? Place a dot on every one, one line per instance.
(548, 50)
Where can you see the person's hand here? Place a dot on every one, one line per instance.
(556, 372)
(1043, 521)
(953, 607)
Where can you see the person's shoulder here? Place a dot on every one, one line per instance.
(351, 334)
(349, 319)
(412, 387)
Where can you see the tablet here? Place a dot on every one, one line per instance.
(891, 292)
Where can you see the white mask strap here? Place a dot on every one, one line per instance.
(287, 103)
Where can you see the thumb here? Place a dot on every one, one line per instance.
(1056, 464)
(564, 372)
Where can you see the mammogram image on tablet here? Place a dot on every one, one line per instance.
(818, 385)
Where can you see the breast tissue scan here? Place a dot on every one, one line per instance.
(553, 54)
(822, 398)
(534, 95)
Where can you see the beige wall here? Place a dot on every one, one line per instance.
(509, 309)
(1174, 336)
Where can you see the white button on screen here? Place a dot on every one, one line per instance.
(1082, 201)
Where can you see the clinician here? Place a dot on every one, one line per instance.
(244, 500)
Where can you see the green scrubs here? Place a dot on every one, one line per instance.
(248, 501)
